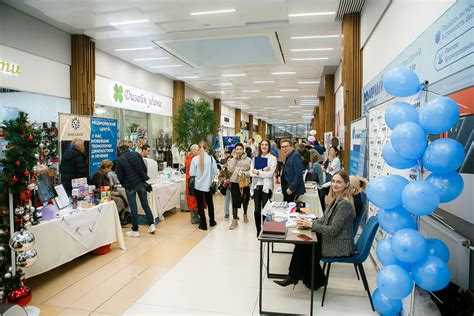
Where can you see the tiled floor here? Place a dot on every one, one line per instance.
(185, 271)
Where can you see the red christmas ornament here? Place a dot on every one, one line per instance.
(30, 138)
(14, 179)
(33, 180)
(41, 160)
(21, 295)
(17, 163)
(25, 195)
(26, 173)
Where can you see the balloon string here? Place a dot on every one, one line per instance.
(440, 95)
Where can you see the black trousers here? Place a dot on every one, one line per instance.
(200, 196)
(239, 199)
(260, 198)
(300, 265)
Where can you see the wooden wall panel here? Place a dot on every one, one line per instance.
(178, 98)
(82, 75)
(321, 121)
(259, 127)
(238, 120)
(329, 104)
(218, 112)
(250, 126)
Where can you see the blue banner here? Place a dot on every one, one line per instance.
(103, 143)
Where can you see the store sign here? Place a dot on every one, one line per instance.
(9, 68)
(136, 97)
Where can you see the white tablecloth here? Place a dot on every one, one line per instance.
(63, 239)
(311, 198)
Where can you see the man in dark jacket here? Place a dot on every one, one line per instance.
(73, 165)
(292, 184)
(132, 174)
(319, 148)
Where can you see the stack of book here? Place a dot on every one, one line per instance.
(273, 230)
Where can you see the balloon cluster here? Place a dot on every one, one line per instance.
(408, 257)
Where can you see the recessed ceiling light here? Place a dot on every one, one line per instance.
(264, 81)
(129, 22)
(310, 58)
(314, 36)
(222, 84)
(311, 49)
(284, 73)
(242, 97)
(249, 91)
(215, 92)
(133, 48)
(294, 106)
(166, 66)
(188, 77)
(274, 96)
(213, 12)
(308, 82)
(295, 15)
(152, 58)
(308, 96)
(306, 110)
(288, 90)
(234, 75)
(284, 110)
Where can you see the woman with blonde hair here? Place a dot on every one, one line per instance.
(204, 169)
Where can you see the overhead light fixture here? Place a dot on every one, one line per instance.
(166, 66)
(250, 91)
(133, 48)
(215, 92)
(308, 96)
(314, 36)
(284, 110)
(234, 75)
(188, 77)
(222, 84)
(264, 81)
(308, 82)
(310, 58)
(242, 98)
(151, 58)
(294, 106)
(289, 90)
(213, 12)
(296, 15)
(311, 49)
(130, 22)
(274, 96)
(284, 73)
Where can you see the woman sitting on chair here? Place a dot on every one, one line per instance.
(334, 231)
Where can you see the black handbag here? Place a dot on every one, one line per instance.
(191, 182)
(148, 187)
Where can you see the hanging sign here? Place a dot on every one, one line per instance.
(103, 142)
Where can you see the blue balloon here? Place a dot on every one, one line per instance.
(444, 155)
(401, 180)
(408, 245)
(400, 112)
(385, 192)
(385, 305)
(394, 159)
(420, 197)
(385, 254)
(431, 273)
(409, 140)
(437, 248)
(394, 282)
(439, 115)
(392, 220)
(401, 82)
(449, 185)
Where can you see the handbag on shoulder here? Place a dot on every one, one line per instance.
(191, 183)
(243, 181)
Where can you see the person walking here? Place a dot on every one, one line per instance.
(239, 167)
(224, 181)
(204, 169)
(73, 165)
(132, 174)
(262, 180)
(191, 199)
(292, 184)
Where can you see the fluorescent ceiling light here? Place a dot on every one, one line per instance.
(311, 49)
(308, 96)
(284, 73)
(216, 92)
(288, 90)
(310, 58)
(188, 77)
(152, 58)
(274, 96)
(294, 106)
(284, 110)
(264, 81)
(234, 75)
(314, 36)
(252, 91)
(295, 15)
(242, 97)
(213, 12)
(166, 66)
(130, 22)
(133, 48)
(308, 82)
(222, 84)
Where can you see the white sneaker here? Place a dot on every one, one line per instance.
(132, 233)
(152, 229)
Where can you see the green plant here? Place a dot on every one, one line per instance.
(195, 121)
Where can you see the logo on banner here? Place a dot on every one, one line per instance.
(75, 123)
(118, 93)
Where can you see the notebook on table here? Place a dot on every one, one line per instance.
(274, 230)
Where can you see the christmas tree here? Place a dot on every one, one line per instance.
(17, 178)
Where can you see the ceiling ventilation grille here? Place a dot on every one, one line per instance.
(348, 6)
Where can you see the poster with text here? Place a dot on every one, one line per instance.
(358, 148)
(103, 142)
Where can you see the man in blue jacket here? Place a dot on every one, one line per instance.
(292, 184)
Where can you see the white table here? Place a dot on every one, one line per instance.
(63, 239)
(311, 198)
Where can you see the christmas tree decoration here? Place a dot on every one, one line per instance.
(30, 138)
(22, 240)
(20, 295)
(27, 258)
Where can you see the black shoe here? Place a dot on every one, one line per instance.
(213, 223)
(287, 281)
(203, 227)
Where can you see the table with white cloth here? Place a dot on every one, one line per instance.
(73, 234)
(311, 198)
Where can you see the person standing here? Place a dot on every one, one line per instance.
(145, 151)
(332, 164)
(204, 169)
(132, 174)
(176, 154)
(262, 181)
(292, 184)
(224, 180)
(191, 199)
(239, 167)
(73, 164)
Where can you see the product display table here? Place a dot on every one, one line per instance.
(311, 198)
(73, 234)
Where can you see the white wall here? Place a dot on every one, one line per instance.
(402, 23)
(229, 113)
(370, 16)
(196, 95)
(244, 117)
(338, 77)
(113, 68)
(28, 34)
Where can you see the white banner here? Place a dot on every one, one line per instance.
(74, 126)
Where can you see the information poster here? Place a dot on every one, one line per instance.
(358, 148)
(103, 142)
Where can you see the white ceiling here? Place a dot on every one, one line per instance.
(171, 21)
